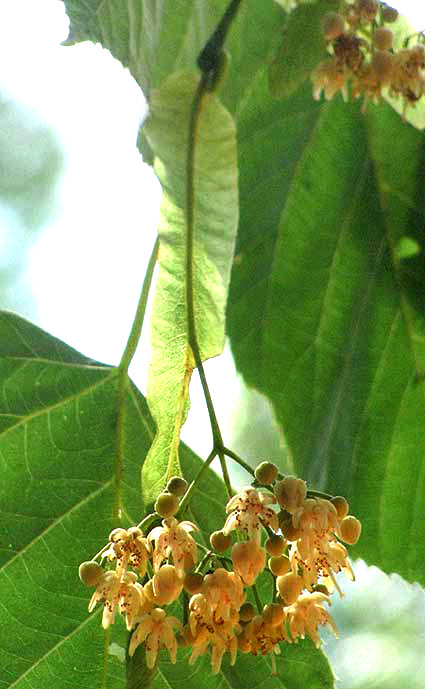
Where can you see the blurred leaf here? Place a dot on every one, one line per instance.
(215, 218)
(57, 486)
(302, 48)
(323, 317)
(30, 162)
(289, 5)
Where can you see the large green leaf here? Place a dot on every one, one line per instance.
(57, 496)
(215, 225)
(56, 486)
(324, 316)
(154, 38)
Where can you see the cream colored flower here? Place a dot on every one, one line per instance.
(118, 592)
(260, 636)
(165, 586)
(306, 614)
(156, 629)
(224, 593)
(133, 603)
(249, 559)
(337, 561)
(108, 591)
(173, 538)
(408, 73)
(329, 76)
(129, 548)
(248, 512)
(205, 631)
(291, 493)
(317, 550)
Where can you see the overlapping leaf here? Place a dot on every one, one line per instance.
(155, 38)
(57, 494)
(215, 225)
(325, 318)
(302, 48)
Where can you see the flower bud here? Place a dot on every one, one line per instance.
(290, 532)
(193, 582)
(321, 588)
(220, 541)
(165, 586)
(279, 565)
(382, 65)
(177, 486)
(341, 506)
(383, 38)
(350, 530)
(118, 535)
(249, 560)
(90, 573)
(332, 26)
(389, 14)
(246, 612)
(366, 10)
(266, 473)
(166, 505)
(275, 545)
(289, 587)
(290, 493)
(273, 614)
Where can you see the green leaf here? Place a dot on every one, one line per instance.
(325, 319)
(299, 666)
(154, 38)
(57, 448)
(148, 37)
(302, 48)
(139, 675)
(57, 488)
(215, 225)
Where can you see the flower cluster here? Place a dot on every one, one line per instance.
(141, 574)
(363, 57)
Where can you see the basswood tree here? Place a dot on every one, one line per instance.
(294, 225)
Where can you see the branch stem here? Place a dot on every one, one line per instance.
(239, 460)
(210, 63)
(123, 380)
(257, 599)
(195, 113)
(136, 328)
(187, 496)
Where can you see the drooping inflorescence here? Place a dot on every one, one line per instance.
(363, 59)
(273, 524)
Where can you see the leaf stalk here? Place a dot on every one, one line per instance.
(123, 379)
(209, 61)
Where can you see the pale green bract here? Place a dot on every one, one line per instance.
(216, 221)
